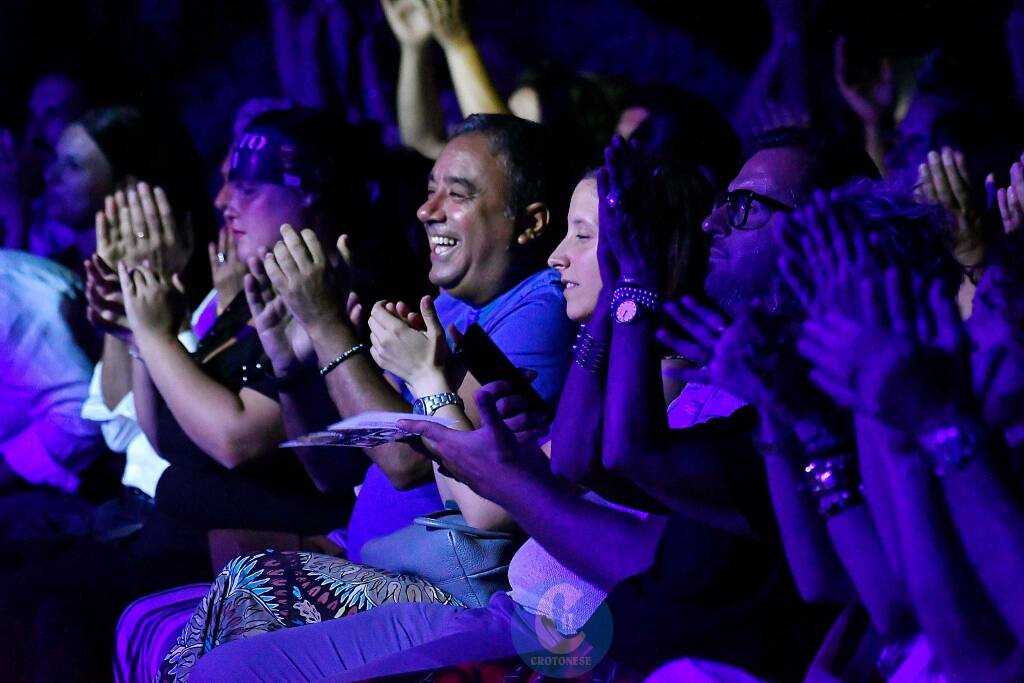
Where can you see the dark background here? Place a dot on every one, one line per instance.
(199, 59)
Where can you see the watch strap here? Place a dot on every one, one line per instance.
(428, 405)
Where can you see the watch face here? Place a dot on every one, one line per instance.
(626, 311)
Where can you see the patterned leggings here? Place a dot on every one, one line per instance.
(272, 590)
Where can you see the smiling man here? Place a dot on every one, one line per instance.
(494, 209)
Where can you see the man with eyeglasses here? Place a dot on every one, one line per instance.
(784, 167)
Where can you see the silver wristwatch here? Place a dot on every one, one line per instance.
(428, 405)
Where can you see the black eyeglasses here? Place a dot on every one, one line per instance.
(748, 210)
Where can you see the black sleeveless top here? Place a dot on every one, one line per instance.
(272, 491)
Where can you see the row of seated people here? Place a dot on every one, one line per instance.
(693, 559)
(774, 399)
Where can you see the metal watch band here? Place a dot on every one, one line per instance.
(428, 405)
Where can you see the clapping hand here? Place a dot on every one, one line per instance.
(1011, 199)
(105, 301)
(629, 194)
(743, 356)
(306, 281)
(227, 270)
(904, 360)
(153, 302)
(942, 179)
(412, 346)
(824, 255)
(285, 342)
(138, 226)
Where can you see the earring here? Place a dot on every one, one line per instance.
(523, 239)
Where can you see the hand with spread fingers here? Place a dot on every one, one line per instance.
(628, 195)
(306, 281)
(154, 303)
(487, 459)
(873, 100)
(942, 179)
(824, 256)
(138, 226)
(227, 269)
(286, 344)
(447, 23)
(903, 361)
(412, 346)
(741, 356)
(409, 21)
(105, 301)
(1011, 199)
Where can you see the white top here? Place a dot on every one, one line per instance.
(143, 465)
(45, 372)
(543, 585)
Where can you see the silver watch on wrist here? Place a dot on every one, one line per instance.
(428, 405)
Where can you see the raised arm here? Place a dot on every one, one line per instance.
(812, 558)
(964, 629)
(873, 101)
(897, 388)
(975, 476)
(420, 118)
(473, 85)
(778, 94)
(634, 414)
(989, 518)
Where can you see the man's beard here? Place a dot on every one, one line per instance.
(734, 295)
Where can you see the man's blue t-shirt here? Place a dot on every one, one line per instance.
(528, 323)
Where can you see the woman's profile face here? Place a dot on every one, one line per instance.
(77, 179)
(256, 211)
(576, 257)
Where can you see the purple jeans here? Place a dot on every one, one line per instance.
(391, 639)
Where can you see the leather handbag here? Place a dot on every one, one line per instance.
(468, 563)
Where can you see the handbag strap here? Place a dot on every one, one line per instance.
(452, 520)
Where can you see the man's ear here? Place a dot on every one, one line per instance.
(535, 221)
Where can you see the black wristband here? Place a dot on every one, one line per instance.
(342, 358)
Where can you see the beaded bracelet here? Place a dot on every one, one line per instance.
(589, 353)
(342, 358)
